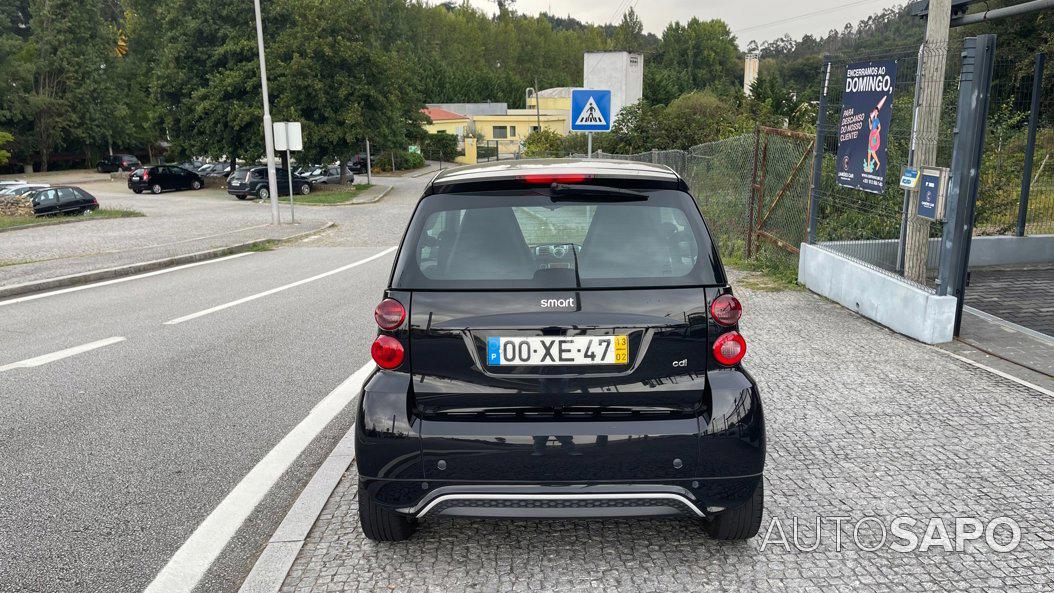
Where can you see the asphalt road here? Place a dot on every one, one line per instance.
(110, 458)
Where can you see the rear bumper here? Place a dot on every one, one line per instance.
(240, 191)
(683, 466)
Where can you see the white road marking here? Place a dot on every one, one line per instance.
(190, 562)
(68, 352)
(34, 297)
(1000, 373)
(279, 289)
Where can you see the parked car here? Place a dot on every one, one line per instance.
(327, 175)
(9, 182)
(248, 182)
(192, 165)
(159, 178)
(118, 162)
(17, 190)
(215, 170)
(358, 163)
(61, 200)
(559, 339)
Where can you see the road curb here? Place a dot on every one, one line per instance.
(273, 565)
(149, 266)
(383, 193)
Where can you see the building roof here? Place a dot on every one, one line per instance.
(560, 92)
(439, 114)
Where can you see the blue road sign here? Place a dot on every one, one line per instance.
(590, 110)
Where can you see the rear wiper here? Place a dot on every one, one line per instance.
(564, 191)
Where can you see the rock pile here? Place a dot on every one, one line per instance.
(15, 206)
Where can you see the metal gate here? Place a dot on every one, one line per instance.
(778, 210)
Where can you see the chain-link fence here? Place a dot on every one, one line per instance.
(870, 227)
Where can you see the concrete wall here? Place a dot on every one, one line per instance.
(984, 251)
(899, 305)
(620, 72)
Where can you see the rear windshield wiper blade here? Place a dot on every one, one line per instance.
(566, 191)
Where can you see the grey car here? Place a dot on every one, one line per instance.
(328, 175)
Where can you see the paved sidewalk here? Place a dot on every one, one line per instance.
(862, 422)
(1023, 295)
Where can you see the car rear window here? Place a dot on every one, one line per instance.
(530, 240)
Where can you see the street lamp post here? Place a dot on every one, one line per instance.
(272, 177)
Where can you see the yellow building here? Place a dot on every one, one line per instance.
(508, 131)
(446, 121)
(552, 99)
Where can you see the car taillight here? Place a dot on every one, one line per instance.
(726, 310)
(387, 352)
(730, 348)
(389, 314)
(146, 175)
(549, 179)
(248, 174)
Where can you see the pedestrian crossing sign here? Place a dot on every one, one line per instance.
(590, 110)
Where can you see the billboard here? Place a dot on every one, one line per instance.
(867, 107)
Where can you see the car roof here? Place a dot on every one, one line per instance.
(511, 169)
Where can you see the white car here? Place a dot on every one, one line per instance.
(20, 188)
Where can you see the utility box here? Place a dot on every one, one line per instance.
(618, 71)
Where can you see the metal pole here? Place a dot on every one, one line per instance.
(1030, 146)
(272, 177)
(369, 164)
(289, 175)
(589, 140)
(911, 161)
(537, 105)
(998, 13)
(817, 159)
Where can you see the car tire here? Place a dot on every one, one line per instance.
(305, 189)
(195, 185)
(383, 525)
(155, 188)
(264, 193)
(742, 522)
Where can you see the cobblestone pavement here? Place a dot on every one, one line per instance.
(861, 422)
(1022, 295)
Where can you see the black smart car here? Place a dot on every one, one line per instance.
(161, 178)
(248, 182)
(559, 339)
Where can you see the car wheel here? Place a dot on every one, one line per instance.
(305, 189)
(264, 193)
(383, 525)
(195, 185)
(155, 188)
(739, 523)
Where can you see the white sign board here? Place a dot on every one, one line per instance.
(288, 136)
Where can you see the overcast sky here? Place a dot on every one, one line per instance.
(749, 19)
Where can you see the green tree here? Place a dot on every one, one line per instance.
(5, 155)
(629, 35)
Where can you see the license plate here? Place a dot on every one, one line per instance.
(557, 350)
(236, 183)
(135, 178)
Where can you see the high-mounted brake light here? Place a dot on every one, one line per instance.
(730, 348)
(726, 310)
(389, 314)
(558, 178)
(387, 352)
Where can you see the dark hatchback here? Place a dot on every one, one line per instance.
(559, 339)
(248, 182)
(61, 200)
(159, 178)
(117, 162)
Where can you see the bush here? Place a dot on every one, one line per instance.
(440, 146)
(404, 160)
(543, 143)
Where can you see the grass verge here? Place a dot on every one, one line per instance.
(773, 273)
(13, 222)
(340, 196)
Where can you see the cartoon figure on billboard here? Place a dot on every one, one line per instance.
(874, 139)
